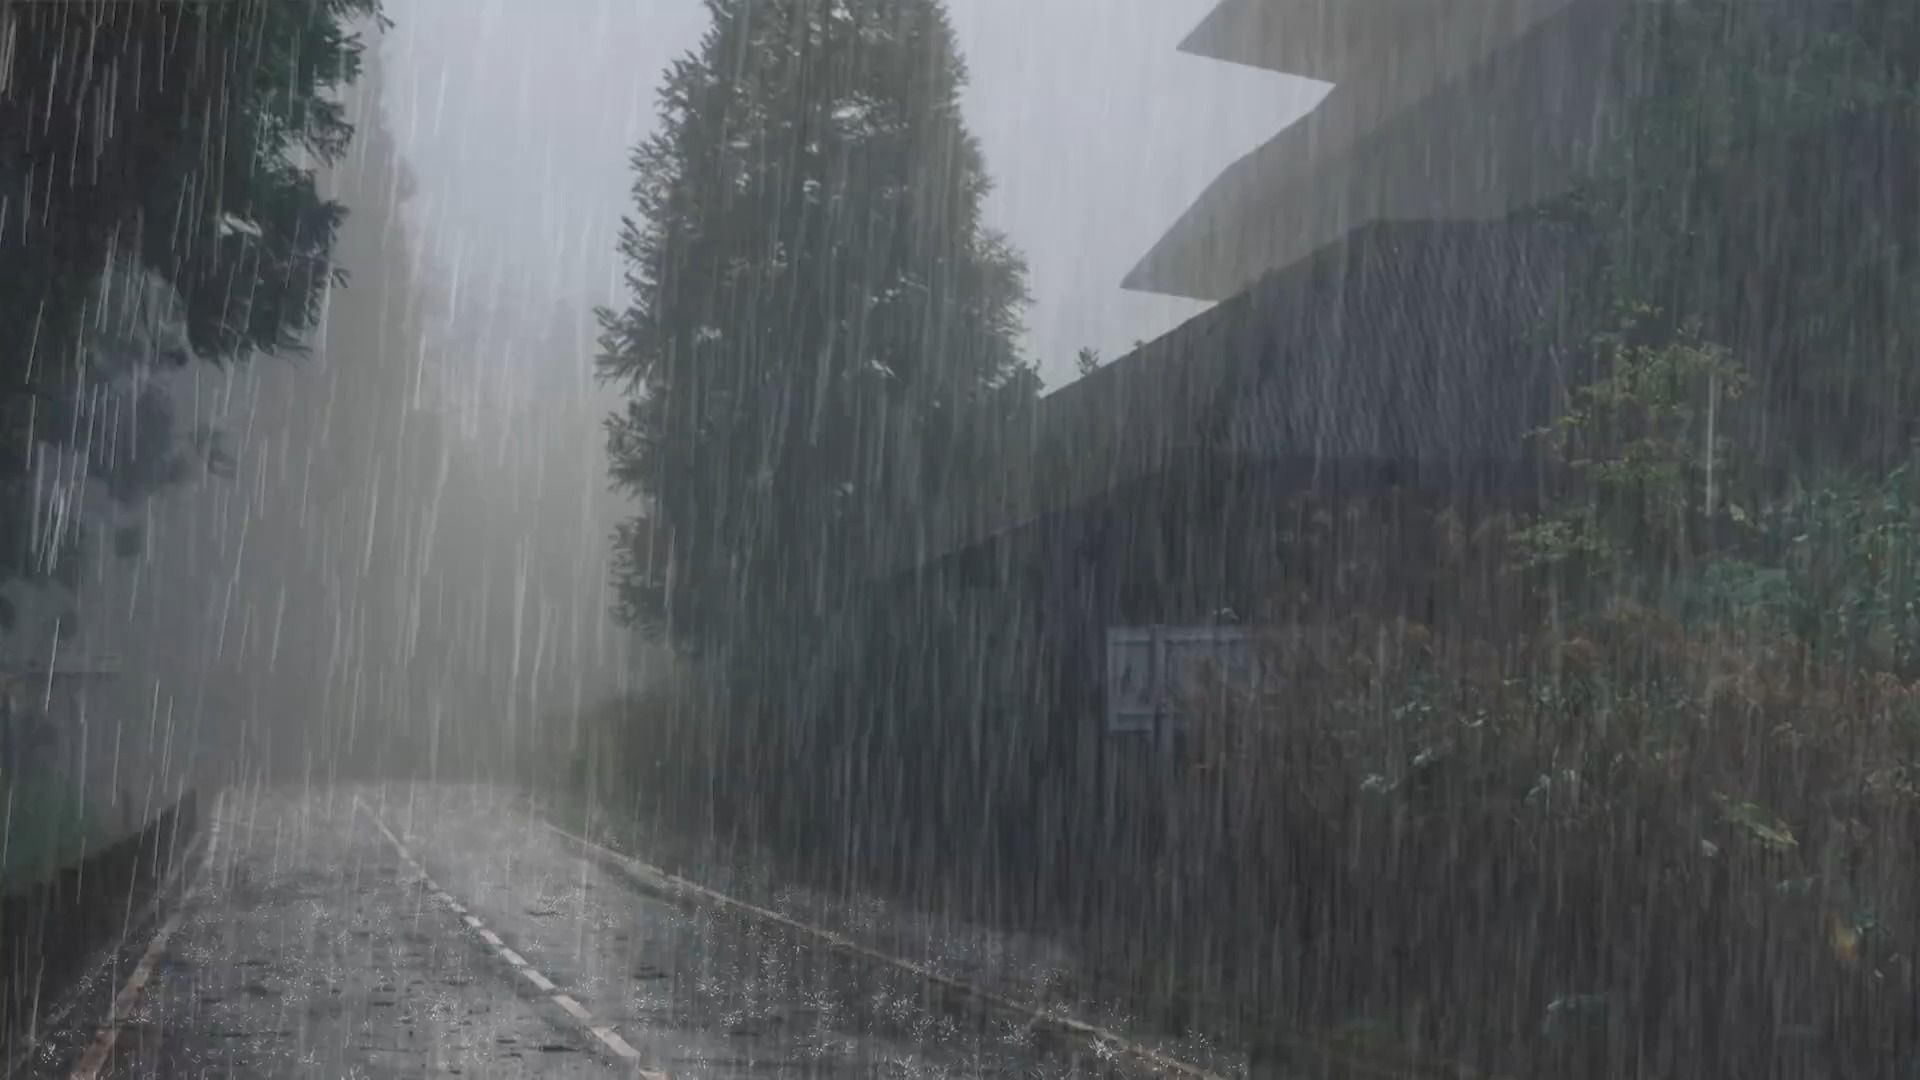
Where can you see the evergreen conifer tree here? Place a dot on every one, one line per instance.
(822, 328)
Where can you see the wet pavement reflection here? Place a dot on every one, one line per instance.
(466, 938)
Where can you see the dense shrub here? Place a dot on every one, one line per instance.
(1695, 835)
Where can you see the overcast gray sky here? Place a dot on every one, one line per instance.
(518, 116)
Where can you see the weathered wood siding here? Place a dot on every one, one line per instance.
(1300, 445)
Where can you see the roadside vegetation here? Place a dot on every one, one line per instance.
(1657, 831)
(1644, 798)
(159, 210)
(1656, 817)
(187, 228)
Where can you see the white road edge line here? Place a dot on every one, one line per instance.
(693, 894)
(608, 1037)
(172, 889)
(128, 999)
(615, 1043)
(541, 982)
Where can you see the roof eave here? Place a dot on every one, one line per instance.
(1307, 168)
(1237, 31)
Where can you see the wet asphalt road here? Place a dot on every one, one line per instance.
(426, 930)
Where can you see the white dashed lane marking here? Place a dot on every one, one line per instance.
(607, 1037)
(612, 1038)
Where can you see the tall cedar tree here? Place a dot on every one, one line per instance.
(822, 329)
(176, 142)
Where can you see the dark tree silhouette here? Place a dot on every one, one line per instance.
(157, 205)
(819, 315)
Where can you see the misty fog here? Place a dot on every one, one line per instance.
(1075, 538)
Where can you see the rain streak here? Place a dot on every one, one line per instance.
(1213, 539)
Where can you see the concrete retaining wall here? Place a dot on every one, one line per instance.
(50, 930)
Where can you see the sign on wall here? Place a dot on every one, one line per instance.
(1153, 670)
(1133, 674)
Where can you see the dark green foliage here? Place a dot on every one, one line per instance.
(822, 341)
(157, 203)
(1755, 209)
(1763, 179)
(1835, 565)
(1647, 441)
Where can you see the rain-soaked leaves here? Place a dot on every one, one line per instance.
(1757, 823)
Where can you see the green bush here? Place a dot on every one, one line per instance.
(48, 825)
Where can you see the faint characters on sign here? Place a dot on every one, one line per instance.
(1152, 672)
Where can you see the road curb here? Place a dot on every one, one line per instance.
(99, 1053)
(948, 990)
(51, 930)
(1310, 1052)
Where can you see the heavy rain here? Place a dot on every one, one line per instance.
(1211, 539)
